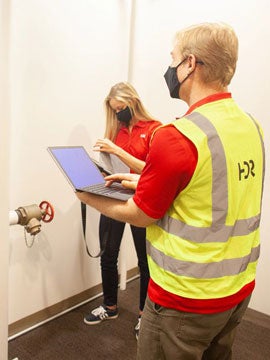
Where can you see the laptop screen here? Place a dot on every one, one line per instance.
(77, 165)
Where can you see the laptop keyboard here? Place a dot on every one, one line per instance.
(101, 189)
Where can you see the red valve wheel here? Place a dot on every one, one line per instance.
(48, 211)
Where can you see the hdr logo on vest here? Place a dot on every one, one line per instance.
(246, 169)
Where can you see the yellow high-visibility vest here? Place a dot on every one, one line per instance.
(207, 245)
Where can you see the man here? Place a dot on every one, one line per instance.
(199, 196)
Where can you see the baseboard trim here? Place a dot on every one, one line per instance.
(37, 319)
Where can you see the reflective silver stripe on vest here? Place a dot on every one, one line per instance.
(210, 234)
(212, 270)
(220, 232)
(263, 151)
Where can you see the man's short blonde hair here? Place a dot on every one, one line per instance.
(216, 45)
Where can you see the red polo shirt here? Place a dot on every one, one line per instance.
(136, 142)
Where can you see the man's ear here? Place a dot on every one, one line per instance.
(191, 60)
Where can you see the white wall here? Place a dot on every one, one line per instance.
(4, 136)
(64, 56)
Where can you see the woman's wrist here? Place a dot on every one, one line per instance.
(119, 152)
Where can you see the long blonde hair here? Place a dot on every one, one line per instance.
(126, 93)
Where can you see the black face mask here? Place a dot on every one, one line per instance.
(124, 115)
(172, 80)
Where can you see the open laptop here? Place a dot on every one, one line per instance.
(84, 173)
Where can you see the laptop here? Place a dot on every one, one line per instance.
(85, 174)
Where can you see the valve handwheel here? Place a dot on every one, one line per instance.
(48, 211)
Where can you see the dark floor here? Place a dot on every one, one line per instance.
(68, 338)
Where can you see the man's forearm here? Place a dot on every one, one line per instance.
(118, 210)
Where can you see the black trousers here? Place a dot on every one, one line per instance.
(109, 259)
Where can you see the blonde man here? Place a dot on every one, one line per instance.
(203, 230)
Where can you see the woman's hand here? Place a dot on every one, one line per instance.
(106, 145)
(129, 181)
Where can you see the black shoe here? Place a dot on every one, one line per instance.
(99, 314)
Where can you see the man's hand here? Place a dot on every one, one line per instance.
(129, 181)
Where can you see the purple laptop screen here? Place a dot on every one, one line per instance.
(77, 165)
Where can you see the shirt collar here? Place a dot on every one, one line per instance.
(209, 99)
(139, 123)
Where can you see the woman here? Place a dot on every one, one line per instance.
(129, 127)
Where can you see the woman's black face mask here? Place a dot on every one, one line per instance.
(124, 115)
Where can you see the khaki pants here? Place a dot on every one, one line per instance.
(168, 334)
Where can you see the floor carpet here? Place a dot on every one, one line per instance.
(68, 338)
